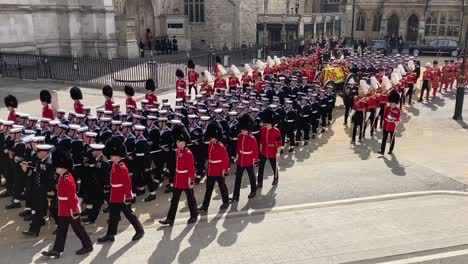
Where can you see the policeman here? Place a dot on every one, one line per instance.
(121, 192)
(42, 179)
(184, 177)
(270, 147)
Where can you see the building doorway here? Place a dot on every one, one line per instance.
(393, 26)
(143, 11)
(413, 27)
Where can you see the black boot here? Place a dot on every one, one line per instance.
(53, 253)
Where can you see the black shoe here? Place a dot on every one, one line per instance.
(28, 217)
(323, 130)
(313, 136)
(150, 198)
(88, 221)
(30, 233)
(224, 206)
(84, 251)
(106, 210)
(353, 142)
(5, 194)
(291, 150)
(138, 236)
(381, 153)
(197, 180)
(234, 199)
(390, 153)
(52, 253)
(25, 213)
(259, 185)
(85, 212)
(275, 181)
(169, 190)
(306, 143)
(297, 144)
(106, 238)
(192, 220)
(133, 200)
(281, 152)
(252, 195)
(329, 123)
(13, 205)
(202, 209)
(166, 222)
(140, 192)
(55, 232)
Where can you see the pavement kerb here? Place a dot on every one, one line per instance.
(292, 208)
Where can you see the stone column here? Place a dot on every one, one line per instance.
(300, 31)
(127, 43)
(315, 28)
(333, 31)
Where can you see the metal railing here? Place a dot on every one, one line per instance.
(118, 72)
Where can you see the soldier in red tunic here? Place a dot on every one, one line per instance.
(233, 82)
(181, 85)
(447, 75)
(436, 75)
(426, 83)
(121, 192)
(246, 81)
(150, 87)
(11, 103)
(108, 92)
(184, 178)
(392, 117)
(270, 146)
(76, 95)
(192, 76)
(218, 166)
(247, 156)
(130, 103)
(68, 206)
(220, 83)
(46, 99)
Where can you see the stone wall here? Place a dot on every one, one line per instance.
(81, 27)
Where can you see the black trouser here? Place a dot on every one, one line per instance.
(244, 87)
(27, 194)
(8, 174)
(114, 218)
(261, 168)
(371, 122)
(40, 208)
(239, 174)
(200, 159)
(232, 147)
(191, 202)
(210, 181)
(291, 135)
(232, 89)
(402, 99)
(410, 92)
(384, 140)
(19, 182)
(304, 129)
(380, 116)
(96, 200)
(166, 158)
(346, 113)
(323, 117)
(190, 86)
(425, 87)
(330, 113)
(314, 122)
(62, 231)
(358, 121)
(53, 208)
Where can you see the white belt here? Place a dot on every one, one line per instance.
(246, 152)
(116, 185)
(140, 154)
(290, 121)
(314, 112)
(324, 105)
(63, 198)
(330, 101)
(181, 171)
(234, 138)
(305, 116)
(77, 165)
(91, 165)
(206, 142)
(215, 161)
(180, 90)
(254, 133)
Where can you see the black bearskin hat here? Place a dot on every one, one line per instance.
(268, 116)
(218, 59)
(394, 97)
(11, 101)
(61, 158)
(129, 90)
(214, 130)
(107, 91)
(190, 64)
(150, 85)
(246, 122)
(180, 133)
(45, 96)
(179, 73)
(115, 147)
(75, 93)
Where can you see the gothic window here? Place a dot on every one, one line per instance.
(443, 24)
(376, 24)
(360, 22)
(195, 10)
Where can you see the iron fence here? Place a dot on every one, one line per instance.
(118, 72)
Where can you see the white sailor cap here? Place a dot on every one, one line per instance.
(179, 114)
(144, 101)
(179, 100)
(166, 104)
(139, 127)
(32, 118)
(153, 110)
(198, 96)
(87, 108)
(254, 109)
(97, 146)
(38, 139)
(127, 124)
(116, 122)
(232, 113)
(122, 114)
(28, 138)
(115, 105)
(63, 126)
(82, 129)
(8, 123)
(202, 111)
(288, 101)
(192, 116)
(60, 111)
(130, 106)
(23, 115)
(44, 147)
(176, 122)
(74, 127)
(204, 118)
(178, 107)
(137, 116)
(100, 110)
(152, 117)
(226, 105)
(273, 106)
(92, 117)
(54, 122)
(164, 119)
(105, 119)
(45, 120)
(29, 132)
(72, 113)
(91, 134)
(18, 127)
(218, 111)
(163, 112)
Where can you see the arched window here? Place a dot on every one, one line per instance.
(360, 22)
(195, 10)
(376, 24)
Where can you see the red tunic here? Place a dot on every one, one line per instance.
(131, 101)
(259, 86)
(391, 118)
(270, 141)
(208, 88)
(108, 105)
(247, 150)
(411, 78)
(360, 103)
(310, 75)
(233, 81)
(218, 159)
(185, 169)
(181, 88)
(78, 106)
(436, 74)
(192, 77)
(12, 116)
(267, 72)
(47, 112)
(121, 185)
(220, 84)
(372, 101)
(383, 97)
(216, 70)
(152, 99)
(427, 75)
(246, 79)
(68, 203)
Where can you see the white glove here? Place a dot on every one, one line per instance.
(352, 113)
